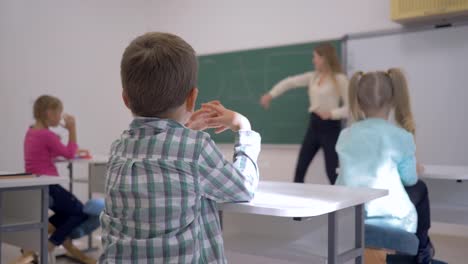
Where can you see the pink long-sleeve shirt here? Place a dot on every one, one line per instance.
(41, 147)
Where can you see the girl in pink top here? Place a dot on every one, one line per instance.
(41, 147)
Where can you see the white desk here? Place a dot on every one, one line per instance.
(296, 200)
(445, 172)
(97, 174)
(448, 193)
(97, 160)
(22, 202)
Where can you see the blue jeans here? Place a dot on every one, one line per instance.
(68, 213)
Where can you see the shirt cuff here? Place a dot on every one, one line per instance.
(247, 137)
(273, 94)
(73, 146)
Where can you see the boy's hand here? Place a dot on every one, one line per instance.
(69, 121)
(198, 119)
(225, 118)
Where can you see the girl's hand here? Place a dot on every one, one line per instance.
(69, 121)
(223, 119)
(83, 153)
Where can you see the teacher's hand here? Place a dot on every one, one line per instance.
(324, 115)
(265, 100)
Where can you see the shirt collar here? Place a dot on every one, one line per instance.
(154, 122)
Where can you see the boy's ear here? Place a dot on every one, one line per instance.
(125, 99)
(191, 99)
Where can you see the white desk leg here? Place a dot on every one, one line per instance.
(90, 195)
(90, 171)
(1, 219)
(332, 238)
(358, 251)
(70, 174)
(44, 223)
(359, 229)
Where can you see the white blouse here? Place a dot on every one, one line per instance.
(323, 97)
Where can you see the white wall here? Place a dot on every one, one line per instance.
(216, 26)
(72, 49)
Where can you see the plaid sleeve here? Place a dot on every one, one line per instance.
(223, 181)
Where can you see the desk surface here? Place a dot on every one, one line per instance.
(302, 200)
(96, 159)
(36, 181)
(445, 172)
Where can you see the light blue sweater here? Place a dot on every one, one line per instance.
(377, 154)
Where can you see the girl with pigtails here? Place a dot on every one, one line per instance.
(374, 152)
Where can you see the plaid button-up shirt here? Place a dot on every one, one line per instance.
(162, 186)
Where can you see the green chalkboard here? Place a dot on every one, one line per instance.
(239, 79)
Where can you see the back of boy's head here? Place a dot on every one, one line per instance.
(158, 71)
(376, 91)
(44, 103)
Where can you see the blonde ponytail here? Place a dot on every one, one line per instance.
(356, 112)
(401, 100)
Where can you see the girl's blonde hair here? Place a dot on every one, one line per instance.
(43, 104)
(373, 91)
(328, 52)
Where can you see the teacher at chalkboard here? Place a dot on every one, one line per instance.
(328, 96)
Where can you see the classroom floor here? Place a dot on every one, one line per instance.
(450, 249)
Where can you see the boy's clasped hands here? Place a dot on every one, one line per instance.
(214, 115)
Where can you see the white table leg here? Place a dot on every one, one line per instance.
(359, 232)
(44, 223)
(332, 238)
(1, 213)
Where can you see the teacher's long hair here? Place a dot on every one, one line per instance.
(374, 91)
(328, 52)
